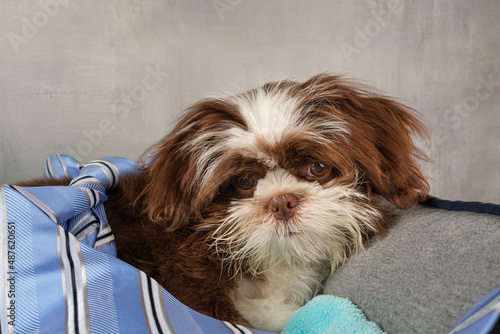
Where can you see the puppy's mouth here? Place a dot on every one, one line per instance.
(285, 228)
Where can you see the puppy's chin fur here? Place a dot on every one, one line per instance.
(253, 199)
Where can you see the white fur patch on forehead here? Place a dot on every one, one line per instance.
(268, 114)
(273, 114)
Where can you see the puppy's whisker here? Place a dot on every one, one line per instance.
(227, 240)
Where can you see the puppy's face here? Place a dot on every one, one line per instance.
(287, 173)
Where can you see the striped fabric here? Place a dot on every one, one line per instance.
(59, 271)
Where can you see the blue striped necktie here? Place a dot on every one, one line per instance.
(59, 271)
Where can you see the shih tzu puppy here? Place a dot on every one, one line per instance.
(247, 205)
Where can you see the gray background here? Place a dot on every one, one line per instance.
(75, 75)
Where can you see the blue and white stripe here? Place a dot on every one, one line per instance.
(153, 306)
(74, 283)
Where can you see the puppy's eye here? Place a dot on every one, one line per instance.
(317, 169)
(245, 182)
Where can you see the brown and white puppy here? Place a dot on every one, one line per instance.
(253, 199)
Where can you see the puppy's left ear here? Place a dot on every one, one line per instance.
(395, 172)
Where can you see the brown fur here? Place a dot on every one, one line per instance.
(156, 214)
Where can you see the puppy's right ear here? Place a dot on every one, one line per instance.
(174, 193)
(163, 198)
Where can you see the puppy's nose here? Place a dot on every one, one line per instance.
(283, 207)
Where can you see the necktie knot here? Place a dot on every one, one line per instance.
(100, 175)
(89, 223)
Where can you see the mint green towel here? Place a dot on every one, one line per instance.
(327, 314)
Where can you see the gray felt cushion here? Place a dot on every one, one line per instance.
(429, 269)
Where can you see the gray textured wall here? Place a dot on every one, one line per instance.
(118, 72)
